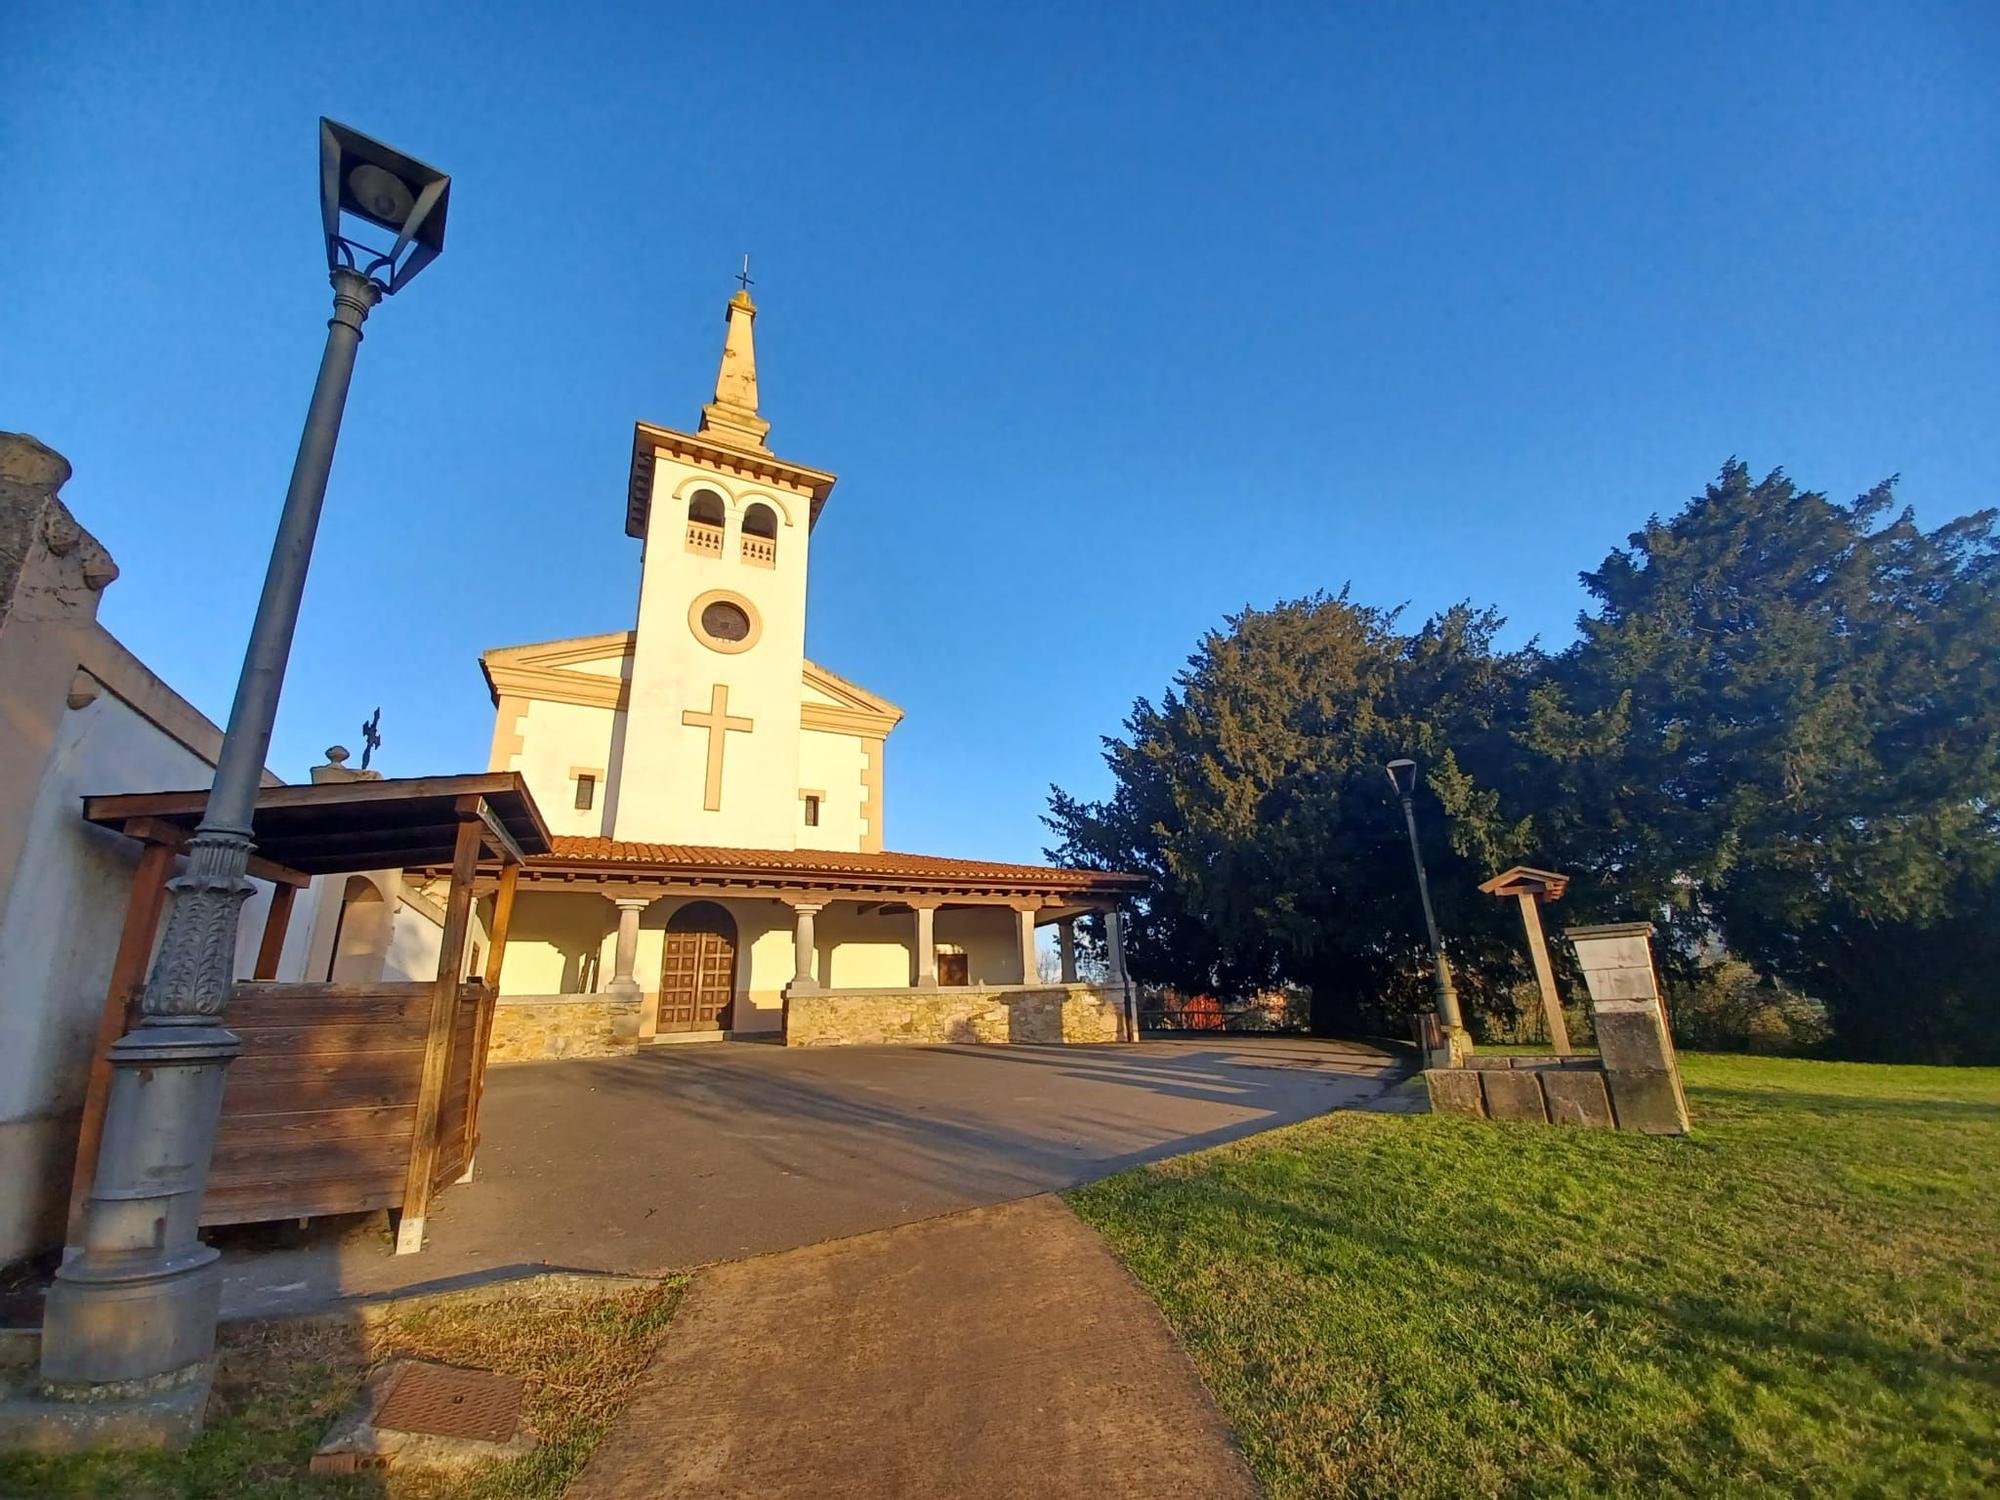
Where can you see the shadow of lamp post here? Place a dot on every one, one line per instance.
(134, 1313)
(1403, 777)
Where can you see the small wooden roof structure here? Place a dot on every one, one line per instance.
(341, 827)
(332, 828)
(1525, 880)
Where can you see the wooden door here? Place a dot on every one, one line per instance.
(697, 969)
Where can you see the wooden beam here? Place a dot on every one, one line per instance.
(496, 954)
(128, 974)
(1545, 976)
(175, 837)
(504, 845)
(437, 1048)
(272, 948)
(503, 918)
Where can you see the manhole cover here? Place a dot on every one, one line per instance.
(452, 1403)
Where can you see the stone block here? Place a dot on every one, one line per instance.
(1513, 1096)
(1576, 1097)
(1501, 1064)
(1454, 1091)
(1647, 1101)
(1633, 1040)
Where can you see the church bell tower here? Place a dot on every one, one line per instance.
(710, 752)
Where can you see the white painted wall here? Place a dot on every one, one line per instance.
(664, 761)
(555, 739)
(58, 936)
(835, 764)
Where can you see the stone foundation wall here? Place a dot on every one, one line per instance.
(537, 1028)
(1013, 1013)
(1556, 1091)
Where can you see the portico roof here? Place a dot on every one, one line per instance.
(824, 868)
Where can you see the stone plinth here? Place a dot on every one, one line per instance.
(540, 1028)
(1639, 1063)
(981, 1013)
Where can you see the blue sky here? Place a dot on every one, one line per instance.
(1111, 322)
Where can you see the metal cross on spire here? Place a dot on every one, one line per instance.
(744, 274)
(371, 737)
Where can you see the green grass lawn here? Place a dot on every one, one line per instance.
(1801, 1299)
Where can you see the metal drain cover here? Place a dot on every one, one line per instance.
(450, 1402)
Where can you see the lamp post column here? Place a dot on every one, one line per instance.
(1447, 996)
(140, 1302)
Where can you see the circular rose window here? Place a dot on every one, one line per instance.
(724, 622)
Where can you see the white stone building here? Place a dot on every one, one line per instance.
(719, 800)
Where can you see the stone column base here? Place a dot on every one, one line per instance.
(127, 1416)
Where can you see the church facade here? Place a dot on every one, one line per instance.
(718, 802)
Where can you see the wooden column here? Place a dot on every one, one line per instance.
(437, 1048)
(1066, 945)
(272, 948)
(496, 954)
(1545, 976)
(128, 974)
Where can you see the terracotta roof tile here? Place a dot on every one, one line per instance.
(571, 849)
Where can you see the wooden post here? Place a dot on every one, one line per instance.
(437, 1048)
(128, 973)
(272, 948)
(1545, 977)
(503, 917)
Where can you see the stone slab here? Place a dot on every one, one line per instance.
(1648, 1102)
(1514, 1096)
(1632, 1040)
(1454, 1091)
(998, 1354)
(1575, 1097)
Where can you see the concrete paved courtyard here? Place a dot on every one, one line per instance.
(688, 1154)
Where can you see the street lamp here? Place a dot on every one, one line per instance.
(136, 1310)
(1403, 777)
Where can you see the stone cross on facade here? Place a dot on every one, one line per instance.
(718, 723)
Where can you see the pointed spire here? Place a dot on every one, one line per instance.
(732, 416)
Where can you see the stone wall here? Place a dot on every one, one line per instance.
(983, 1013)
(1555, 1091)
(538, 1028)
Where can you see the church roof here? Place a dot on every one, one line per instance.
(832, 867)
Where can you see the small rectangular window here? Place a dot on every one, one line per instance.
(812, 812)
(586, 792)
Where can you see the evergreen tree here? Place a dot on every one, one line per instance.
(1254, 795)
(1780, 727)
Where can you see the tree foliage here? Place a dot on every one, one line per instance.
(1253, 794)
(1778, 732)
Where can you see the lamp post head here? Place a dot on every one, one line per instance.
(364, 180)
(1403, 777)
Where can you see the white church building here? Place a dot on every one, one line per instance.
(717, 802)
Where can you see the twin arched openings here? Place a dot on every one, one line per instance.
(706, 516)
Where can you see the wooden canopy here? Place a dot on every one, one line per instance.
(345, 1097)
(342, 827)
(1525, 880)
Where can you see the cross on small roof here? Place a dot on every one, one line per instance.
(744, 274)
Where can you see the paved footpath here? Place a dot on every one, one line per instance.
(1000, 1352)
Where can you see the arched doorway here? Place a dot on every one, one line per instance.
(360, 934)
(698, 969)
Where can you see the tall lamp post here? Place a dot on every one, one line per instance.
(134, 1312)
(1403, 777)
